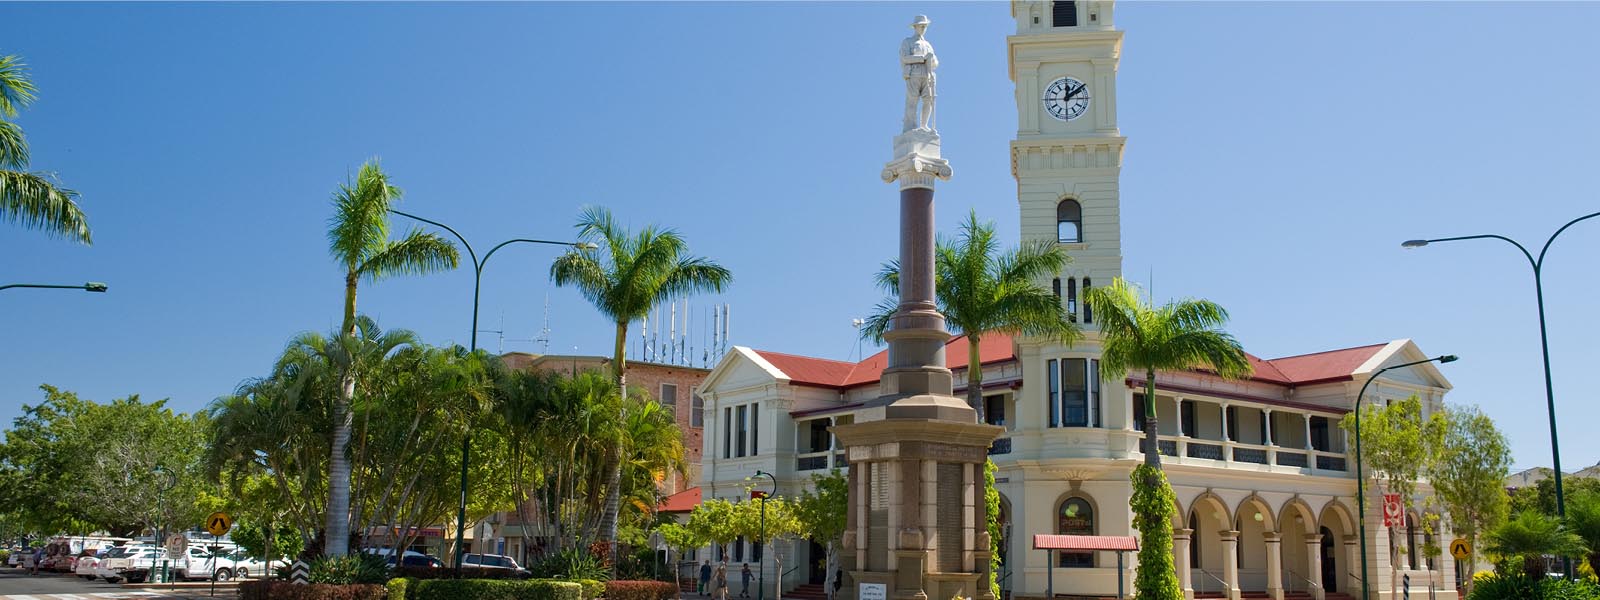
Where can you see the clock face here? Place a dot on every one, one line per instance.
(1066, 99)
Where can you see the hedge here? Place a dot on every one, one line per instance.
(483, 589)
(419, 572)
(283, 590)
(640, 590)
(591, 589)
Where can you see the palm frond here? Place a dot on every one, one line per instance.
(35, 201)
(359, 226)
(419, 253)
(888, 277)
(16, 87)
(13, 147)
(877, 323)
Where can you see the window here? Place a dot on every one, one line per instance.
(1055, 286)
(1074, 393)
(1138, 412)
(738, 550)
(1054, 399)
(819, 435)
(994, 409)
(669, 395)
(727, 432)
(1232, 419)
(743, 430)
(1319, 433)
(1076, 517)
(1069, 214)
(755, 428)
(1094, 392)
(1063, 14)
(1186, 417)
(1088, 311)
(697, 409)
(1072, 300)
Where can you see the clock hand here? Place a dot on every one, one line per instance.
(1075, 91)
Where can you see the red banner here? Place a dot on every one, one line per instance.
(1393, 512)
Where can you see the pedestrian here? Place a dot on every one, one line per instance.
(745, 576)
(28, 562)
(721, 582)
(705, 577)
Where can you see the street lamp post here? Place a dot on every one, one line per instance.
(1544, 346)
(1361, 481)
(170, 480)
(92, 286)
(761, 566)
(477, 285)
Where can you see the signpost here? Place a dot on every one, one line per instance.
(217, 523)
(1460, 549)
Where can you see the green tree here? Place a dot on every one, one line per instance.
(981, 290)
(1583, 518)
(1531, 536)
(682, 538)
(822, 513)
(31, 199)
(1398, 446)
(358, 238)
(1541, 496)
(624, 275)
(1186, 334)
(1468, 473)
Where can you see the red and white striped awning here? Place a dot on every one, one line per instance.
(1085, 542)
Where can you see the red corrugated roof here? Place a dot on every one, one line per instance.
(683, 501)
(1331, 364)
(822, 372)
(1043, 541)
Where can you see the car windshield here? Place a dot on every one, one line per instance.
(117, 552)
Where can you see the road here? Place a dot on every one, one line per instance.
(15, 584)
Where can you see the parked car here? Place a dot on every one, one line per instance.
(238, 564)
(408, 558)
(495, 561)
(132, 563)
(87, 564)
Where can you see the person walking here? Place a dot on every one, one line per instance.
(29, 563)
(745, 576)
(705, 577)
(720, 580)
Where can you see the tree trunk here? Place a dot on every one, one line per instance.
(608, 517)
(975, 377)
(1152, 455)
(337, 521)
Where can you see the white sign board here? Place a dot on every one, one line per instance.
(873, 591)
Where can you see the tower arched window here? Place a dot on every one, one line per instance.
(1055, 287)
(1063, 13)
(1069, 221)
(1075, 517)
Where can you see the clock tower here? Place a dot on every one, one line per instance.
(1067, 156)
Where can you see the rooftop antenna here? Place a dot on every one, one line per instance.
(544, 332)
(500, 334)
(857, 323)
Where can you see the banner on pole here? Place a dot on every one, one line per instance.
(1393, 512)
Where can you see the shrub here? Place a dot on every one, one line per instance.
(490, 589)
(1153, 504)
(591, 588)
(283, 590)
(355, 568)
(571, 563)
(396, 588)
(419, 572)
(1520, 586)
(640, 590)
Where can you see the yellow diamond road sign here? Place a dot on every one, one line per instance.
(1460, 549)
(219, 523)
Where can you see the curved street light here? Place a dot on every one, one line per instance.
(1544, 346)
(761, 565)
(477, 286)
(1361, 482)
(92, 286)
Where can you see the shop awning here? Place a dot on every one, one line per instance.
(1122, 543)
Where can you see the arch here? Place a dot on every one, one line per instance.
(1069, 221)
(1211, 498)
(1180, 517)
(1347, 520)
(1297, 507)
(1269, 521)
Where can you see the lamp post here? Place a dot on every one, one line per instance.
(1544, 346)
(477, 285)
(170, 480)
(92, 286)
(1361, 481)
(761, 566)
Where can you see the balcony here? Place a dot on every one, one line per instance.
(1205, 451)
(1331, 462)
(1292, 459)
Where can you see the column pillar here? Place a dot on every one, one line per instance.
(1183, 441)
(1230, 563)
(1274, 564)
(1309, 448)
(1352, 565)
(1272, 435)
(1227, 444)
(1180, 560)
(1314, 550)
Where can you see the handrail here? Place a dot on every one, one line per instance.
(1219, 580)
(1309, 583)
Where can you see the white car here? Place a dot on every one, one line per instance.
(494, 561)
(87, 564)
(135, 558)
(241, 565)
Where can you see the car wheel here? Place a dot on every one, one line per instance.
(244, 573)
(223, 575)
(113, 579)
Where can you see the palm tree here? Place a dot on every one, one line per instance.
(31, 199)
(625, 275)
(358, 238)
(1178, 335)
(981, 290)
(1583, 518)
(1531, 536)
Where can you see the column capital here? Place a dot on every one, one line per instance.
(1229, 535)
(1271, 537)
(1351, 540)
(917, 163)
(1313, 538)
(1182, 534)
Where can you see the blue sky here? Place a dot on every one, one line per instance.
(1278, 153)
